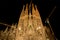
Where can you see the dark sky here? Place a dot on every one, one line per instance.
(10, 11)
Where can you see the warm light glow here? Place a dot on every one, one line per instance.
(38, 28)
(19, 28)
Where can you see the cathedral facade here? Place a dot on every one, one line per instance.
(29, 27)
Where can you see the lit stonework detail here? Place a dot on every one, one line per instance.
(29, 27)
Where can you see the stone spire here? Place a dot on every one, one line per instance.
(24, 14)
(38, 22)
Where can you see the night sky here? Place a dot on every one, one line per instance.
(10, 12)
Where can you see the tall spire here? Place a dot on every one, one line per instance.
(38, 22)
(24, 12)
(36, 14)
(35, 11)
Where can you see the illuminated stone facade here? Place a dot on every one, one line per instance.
(30, 27)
